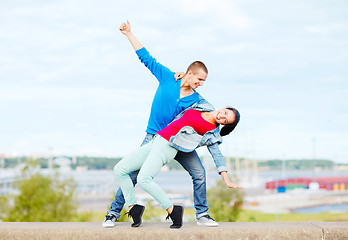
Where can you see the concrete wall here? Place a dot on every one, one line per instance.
(157, 231)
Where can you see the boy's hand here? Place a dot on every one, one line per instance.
(179, 75)
(125, 28)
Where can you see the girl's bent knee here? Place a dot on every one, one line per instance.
(119, 171)
(143, 181)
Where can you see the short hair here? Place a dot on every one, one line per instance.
(228, 128)
(195, 66)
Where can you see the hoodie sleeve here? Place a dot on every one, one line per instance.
(161, 72)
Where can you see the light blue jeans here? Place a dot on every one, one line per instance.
(149, 158)
(192, 164)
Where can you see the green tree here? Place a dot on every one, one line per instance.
(3, 206)
(43, 199)
(225, 204)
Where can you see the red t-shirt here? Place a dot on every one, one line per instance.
(192, 118)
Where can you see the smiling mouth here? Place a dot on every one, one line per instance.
(218, 116)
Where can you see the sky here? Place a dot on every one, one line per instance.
(71, 84)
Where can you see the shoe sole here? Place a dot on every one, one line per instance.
(207, 225)
(141, 214)
(108, 226)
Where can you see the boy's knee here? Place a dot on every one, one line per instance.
(199, 172)
(199, 176)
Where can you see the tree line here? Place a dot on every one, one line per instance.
(98, 163)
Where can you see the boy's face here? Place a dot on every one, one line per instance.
(196, 80)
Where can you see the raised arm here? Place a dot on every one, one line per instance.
(161, 72)
(125, 28)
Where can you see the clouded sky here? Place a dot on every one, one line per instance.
(70, 82)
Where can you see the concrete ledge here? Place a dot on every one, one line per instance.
(157, 231)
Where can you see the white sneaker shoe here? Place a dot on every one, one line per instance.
(109, 221)
(207, 221)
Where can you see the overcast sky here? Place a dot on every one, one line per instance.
(70, 82)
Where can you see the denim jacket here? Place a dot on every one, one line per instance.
(187, 139)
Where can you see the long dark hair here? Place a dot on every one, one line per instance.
(228, 128)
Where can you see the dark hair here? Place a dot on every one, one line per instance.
(195, 66)
(228, 128)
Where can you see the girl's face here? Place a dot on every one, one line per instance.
(224, 116)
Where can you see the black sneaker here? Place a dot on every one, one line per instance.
(136, 212)
(176, 216)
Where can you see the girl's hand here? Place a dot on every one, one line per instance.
(179, 75)
(125, 28)
(232, 185)
(227, 181)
